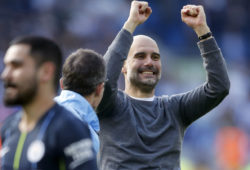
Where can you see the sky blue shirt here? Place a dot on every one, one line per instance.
(81, 108)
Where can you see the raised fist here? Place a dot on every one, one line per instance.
(194, 16)
(139, 13)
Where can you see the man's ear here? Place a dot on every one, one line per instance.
(124, 68)
(61, 83)
(47, 71)
(99, 89)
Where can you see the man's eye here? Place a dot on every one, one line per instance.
(140, 56)
(156, 57)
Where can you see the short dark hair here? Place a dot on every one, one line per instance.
(82, 71)
(43, 50)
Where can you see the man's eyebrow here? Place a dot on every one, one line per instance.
(154, 53)
(15, 62)
(142, 53)
(139, 53)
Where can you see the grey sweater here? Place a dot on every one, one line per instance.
(148, 134)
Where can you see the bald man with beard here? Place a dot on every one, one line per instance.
(138, 129)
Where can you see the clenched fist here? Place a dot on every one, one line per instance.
(194, 16)
(139, 13)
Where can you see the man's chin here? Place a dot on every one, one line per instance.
(9, 102)
(12, 100)
(145, 85)
(149, 82)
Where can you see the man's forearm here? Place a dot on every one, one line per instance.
(116, 54)
(202, 99)
(215, 65)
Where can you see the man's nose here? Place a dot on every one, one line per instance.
(5, 74)
(148, 61)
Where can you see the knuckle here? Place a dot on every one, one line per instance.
(134, 2)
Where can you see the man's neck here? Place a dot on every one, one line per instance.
(91, 100)
(33, 112)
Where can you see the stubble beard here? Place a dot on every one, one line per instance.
(146, 86)
(22, 97)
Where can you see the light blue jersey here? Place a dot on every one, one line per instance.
(81, 108)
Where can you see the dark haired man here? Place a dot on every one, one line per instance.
(42, 135)
(138, 129)
(82, 85)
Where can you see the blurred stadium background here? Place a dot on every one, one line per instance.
(218, 141)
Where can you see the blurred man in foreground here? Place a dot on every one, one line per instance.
(42, 135)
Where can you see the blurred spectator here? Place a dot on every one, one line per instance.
(231, 148)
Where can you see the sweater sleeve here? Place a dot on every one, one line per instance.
(195, 103)
(114, 58)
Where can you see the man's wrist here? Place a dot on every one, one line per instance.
(205, 36)
(201, 30)
(130, 27)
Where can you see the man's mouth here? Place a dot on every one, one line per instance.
(9, 85)
(147, 72)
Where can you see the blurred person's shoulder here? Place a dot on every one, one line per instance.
(65, 119)
(11, 122)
